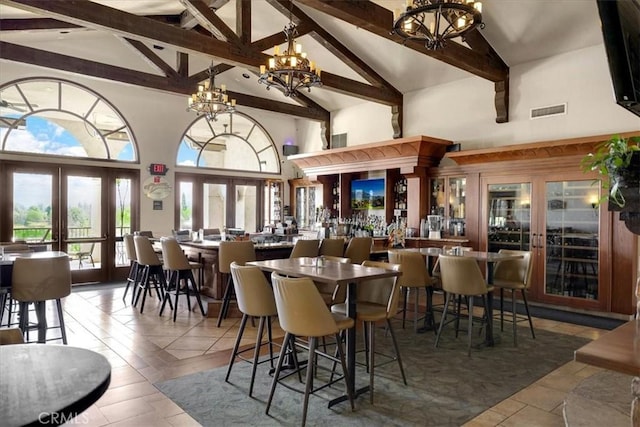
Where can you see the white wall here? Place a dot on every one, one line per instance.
(158, 120)
(463, 111)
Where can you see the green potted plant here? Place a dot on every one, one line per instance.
(617, 161)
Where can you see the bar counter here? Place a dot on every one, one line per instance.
(206, 252)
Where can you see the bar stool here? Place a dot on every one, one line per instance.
(462, 276)
(180, 270)
(228, 252)
(332, 247)
(415, 276)
(359, 249)
(514, 275)
(302, 313)
(37, 280)
(6, 301)
(377, 301)
(136, 270)
(152, 273)
(255, 299)
(305, 248)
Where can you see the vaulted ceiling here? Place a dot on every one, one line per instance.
(168, 45)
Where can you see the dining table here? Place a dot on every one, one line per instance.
(490, 259)
(338, 274)
(48, 384)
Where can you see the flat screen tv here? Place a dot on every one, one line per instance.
(367, 194)
(621, 32)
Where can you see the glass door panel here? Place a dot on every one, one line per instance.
(123, 218)
(572, 235)
(34, 214)
(246, 207)
(457, 187)
(214, 206)
(83, 221)
(185, 190)
(509, 216)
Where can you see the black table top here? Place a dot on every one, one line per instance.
(49, 384)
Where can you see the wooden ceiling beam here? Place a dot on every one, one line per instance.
(94, 15)
(42, 58)
(208, 19)
(358, 89)
(243, 21)
(150, 57)
(35, 24)
(188, 21)
(334, 46)
(279, 38)
(378, 20)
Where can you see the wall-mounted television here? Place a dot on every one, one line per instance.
(621, 33)
(367, 194)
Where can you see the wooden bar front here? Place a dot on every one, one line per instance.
(207, 253)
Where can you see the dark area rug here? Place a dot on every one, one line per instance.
(446, 387)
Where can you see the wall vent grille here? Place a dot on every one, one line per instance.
(339, 140)
(551, 110)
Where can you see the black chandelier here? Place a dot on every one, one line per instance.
(435, 21)
(291, 70)
(211, 100)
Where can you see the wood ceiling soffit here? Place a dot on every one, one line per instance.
(97, 16)
(408, 154)
(532, 151)
(208, 19)
(71, 64)
(150, 57)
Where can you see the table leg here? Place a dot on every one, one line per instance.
(351, 349)
(41, 314)
(635, 404)
(489, 341)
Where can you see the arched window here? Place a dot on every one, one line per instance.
(62, 118)
(231, 141)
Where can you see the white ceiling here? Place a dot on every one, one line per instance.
(519, 30)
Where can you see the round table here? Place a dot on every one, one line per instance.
(49, 384)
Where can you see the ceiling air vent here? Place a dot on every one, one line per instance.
(552, 110)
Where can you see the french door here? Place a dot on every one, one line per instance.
(557, 218)
(204, 201)
(83, 211)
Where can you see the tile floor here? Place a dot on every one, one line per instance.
(146, 348)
